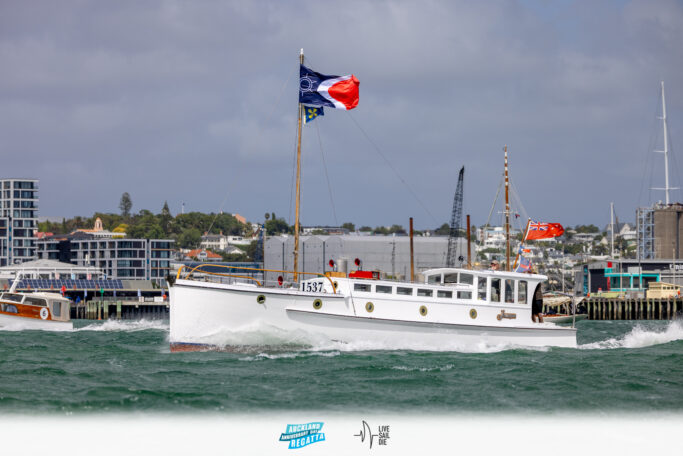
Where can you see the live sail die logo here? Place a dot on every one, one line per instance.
(366, 434)
(301, 435)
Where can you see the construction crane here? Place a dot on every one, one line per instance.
(456, 223)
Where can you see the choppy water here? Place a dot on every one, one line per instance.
(126, 366)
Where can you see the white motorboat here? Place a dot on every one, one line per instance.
(49, 311)
(452, 306)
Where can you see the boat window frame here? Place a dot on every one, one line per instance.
(427, 292)
(450, 275)
(526, 292)
(511, 282)
(491, 295)
(438, 277)
(401, 291)
(463, 274)
(35, 301)
(56, 309)
(444, 294)
(462, 292)
(367, 287)
(387, 289)
(14, 297)
(485, 289)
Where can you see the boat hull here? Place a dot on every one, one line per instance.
(17, 322)
(206, 315)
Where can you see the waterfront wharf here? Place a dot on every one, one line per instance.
(632, 308)
(121, 309)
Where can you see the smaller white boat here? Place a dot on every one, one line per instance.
(566, 309)
(39, 310)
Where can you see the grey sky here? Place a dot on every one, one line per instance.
(184, 101)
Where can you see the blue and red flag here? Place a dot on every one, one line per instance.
(524, 265)
(339, 92)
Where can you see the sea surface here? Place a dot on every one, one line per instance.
(126, 366)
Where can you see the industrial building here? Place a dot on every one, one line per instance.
(388, 254)
(659, 229)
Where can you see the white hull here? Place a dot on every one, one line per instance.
(202, 313)
(17, 323)
(563, 318)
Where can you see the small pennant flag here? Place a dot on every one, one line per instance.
(312, 113)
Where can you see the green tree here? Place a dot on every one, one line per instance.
(349, 226)
(277, 226)
(364, 229)
(165, 219)
(126, 204)
(443, 230)
(190, 238)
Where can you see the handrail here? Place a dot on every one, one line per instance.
(200, 266)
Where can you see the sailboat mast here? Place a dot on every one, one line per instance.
(298, 188)
(666, 148)
(507, 212)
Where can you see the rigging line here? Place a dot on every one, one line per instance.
(495, 200)
(282, 91)
(649, 156)
(329, 186)
(377, 149)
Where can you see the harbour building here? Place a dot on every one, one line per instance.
(118, 257)
(19, 220)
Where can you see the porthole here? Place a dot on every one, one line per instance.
(423, 311)
(369, 307)
(317, 304)
(473, 314)
(261, 299)
(336, 285)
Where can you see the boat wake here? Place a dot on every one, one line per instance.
(641, 337)
(269, 342)
(126, 326)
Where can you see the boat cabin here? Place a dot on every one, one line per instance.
(58, 305)
(485, 285)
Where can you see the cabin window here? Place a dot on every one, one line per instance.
(9, 308)
(450, 278)
(444, 294)
(495, 290)
(56, 309)
(34, 301)
(12, 297)
(522, 292)
(424, 292)
(464, 295)
(481, 289)
(383, 289)
(433, 279)
(466, 278)
(362, 287)
(509, 291)
(404, 291)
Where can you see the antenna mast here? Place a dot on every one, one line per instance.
(665, 152)
(507, 212)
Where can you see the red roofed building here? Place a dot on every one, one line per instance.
(202, 255)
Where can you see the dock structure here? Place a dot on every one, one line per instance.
(120, 310)
(633, 309)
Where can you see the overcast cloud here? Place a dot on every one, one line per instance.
(192, 101)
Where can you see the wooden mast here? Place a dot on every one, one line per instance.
(469, 247)
(507, 212)
(412, 262)
(298, 188)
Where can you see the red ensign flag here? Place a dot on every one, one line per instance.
(538, 230)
